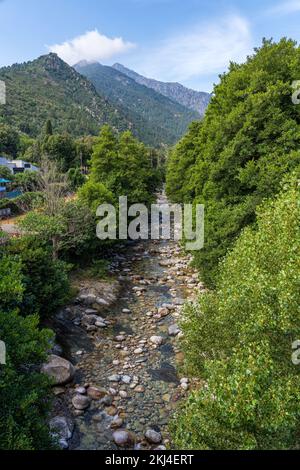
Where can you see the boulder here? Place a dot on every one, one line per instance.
(96, 393)
(59, 370)
(81, 402)
(174, 330)
(62, 427)
(123, 438)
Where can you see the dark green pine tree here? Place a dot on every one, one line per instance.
(48, 128)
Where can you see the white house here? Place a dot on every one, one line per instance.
(17, 166)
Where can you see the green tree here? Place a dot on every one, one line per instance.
(248, 141)
(48, 128)
(239, 339)
(61, 149)
(24, 392)
(9, 140)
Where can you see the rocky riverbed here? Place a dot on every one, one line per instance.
(122, 336)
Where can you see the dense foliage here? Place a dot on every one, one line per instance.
(120, 166)
(248, 140)
(156, 119)
(24, 392)
(48, 88)
(239, 339)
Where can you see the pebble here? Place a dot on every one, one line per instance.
(81, 402)
(157, 340)
(114, 378)
(122, 438)
(153, 437)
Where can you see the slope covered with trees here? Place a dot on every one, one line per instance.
(248, 140)
(48, 88)
(157, 119)
(238, 339)
(192, 99)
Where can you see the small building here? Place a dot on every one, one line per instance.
(17, 166)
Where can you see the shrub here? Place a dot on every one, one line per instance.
(247, 142)
(239, 338)
(24, 392)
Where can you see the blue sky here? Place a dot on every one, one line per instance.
(190, 41)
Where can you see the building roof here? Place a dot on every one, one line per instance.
(2, 180)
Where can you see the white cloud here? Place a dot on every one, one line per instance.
(285, 8)
(91, 46)
(205, 49)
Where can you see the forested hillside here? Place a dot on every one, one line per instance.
(248, 140)
(192, 99)
(48, 88)
(157, 119)
(243, 163)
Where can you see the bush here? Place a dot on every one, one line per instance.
(239, 338)
(24, 392)
(247, 142)
(45, 280)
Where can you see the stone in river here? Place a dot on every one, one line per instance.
(153, 437)
(174, 330)
(126, 379)
(157, 340)
(59, 370)
(81, 390)
(126, 310)
(62, 427)
(123, 438)
(81, 402)
(138, 351)
(91, 311)
(114, 378)
(96, 393)
(117, 422)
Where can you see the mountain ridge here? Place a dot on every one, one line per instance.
(192, 99)
(48, 88)
(160, 119)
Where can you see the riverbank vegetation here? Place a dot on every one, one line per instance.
(242, 162)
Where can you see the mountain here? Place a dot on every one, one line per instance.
(48, 88)
(195, 100)
(157, 119)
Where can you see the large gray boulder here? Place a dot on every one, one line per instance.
(59, 370)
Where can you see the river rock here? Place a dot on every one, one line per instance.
(123, 438)
(126, 310)
(87, 299)
(114, 378)
(58, 369)
(157, 340)
(126, 379)
(153, 437)
(117, 422)
(102, 302)
(174, 330)
(81, 402)
(91, 311)
(62, 427)
(96, 393)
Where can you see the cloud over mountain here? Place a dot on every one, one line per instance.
(91, 46)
